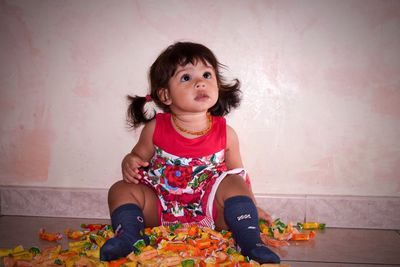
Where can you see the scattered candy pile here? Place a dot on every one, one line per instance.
(169, 246)
(278, 234)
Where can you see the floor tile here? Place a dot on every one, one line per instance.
(337, 245)
(21, 230)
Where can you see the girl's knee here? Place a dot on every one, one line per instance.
(122, 193)
(230, 186)
(116, 186)
(234, 183)
(121, 187)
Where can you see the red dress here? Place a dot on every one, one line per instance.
(185, 173)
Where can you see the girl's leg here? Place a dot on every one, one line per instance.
(230, 186)
(235, 201)
(132, 207)
(141, 195)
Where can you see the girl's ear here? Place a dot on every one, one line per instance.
(163, 95)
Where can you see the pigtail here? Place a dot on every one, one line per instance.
(137, 114)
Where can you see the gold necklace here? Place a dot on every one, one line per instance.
(202, 132)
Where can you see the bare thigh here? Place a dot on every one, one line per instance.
(230, 186)
(122, 193)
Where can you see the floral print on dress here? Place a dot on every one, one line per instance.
(183, 184)
(177, 176)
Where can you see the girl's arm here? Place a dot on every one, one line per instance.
(140, 155)
(232, 154)
(233, 160)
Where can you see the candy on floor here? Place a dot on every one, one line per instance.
(175, 245)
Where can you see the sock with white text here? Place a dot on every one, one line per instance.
(241, 216)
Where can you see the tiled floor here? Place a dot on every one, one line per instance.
(332, 247)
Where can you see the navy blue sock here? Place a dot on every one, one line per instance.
(241, 216)
(128, 224)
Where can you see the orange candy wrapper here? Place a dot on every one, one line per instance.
(53, 237)
(75, 234)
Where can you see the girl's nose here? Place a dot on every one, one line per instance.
(200, 84)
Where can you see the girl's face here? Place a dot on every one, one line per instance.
(193, 88)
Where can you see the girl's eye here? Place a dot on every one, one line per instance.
(185, 78)
(207, 75)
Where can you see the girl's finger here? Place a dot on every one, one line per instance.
(128, 173)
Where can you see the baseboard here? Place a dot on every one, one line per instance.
(54, 202)
(337, 211)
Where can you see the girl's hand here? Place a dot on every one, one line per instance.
(130, 168)
(264, 215)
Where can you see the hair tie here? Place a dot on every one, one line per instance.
(148, 98)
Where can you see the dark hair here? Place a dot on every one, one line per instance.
(164, 68)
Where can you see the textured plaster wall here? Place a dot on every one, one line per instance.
(320, 80)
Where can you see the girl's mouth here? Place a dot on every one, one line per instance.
(201, 97)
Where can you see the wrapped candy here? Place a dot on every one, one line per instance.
(49, 236)
(175, 245)
(311, 226)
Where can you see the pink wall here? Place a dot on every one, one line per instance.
(321, 83)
